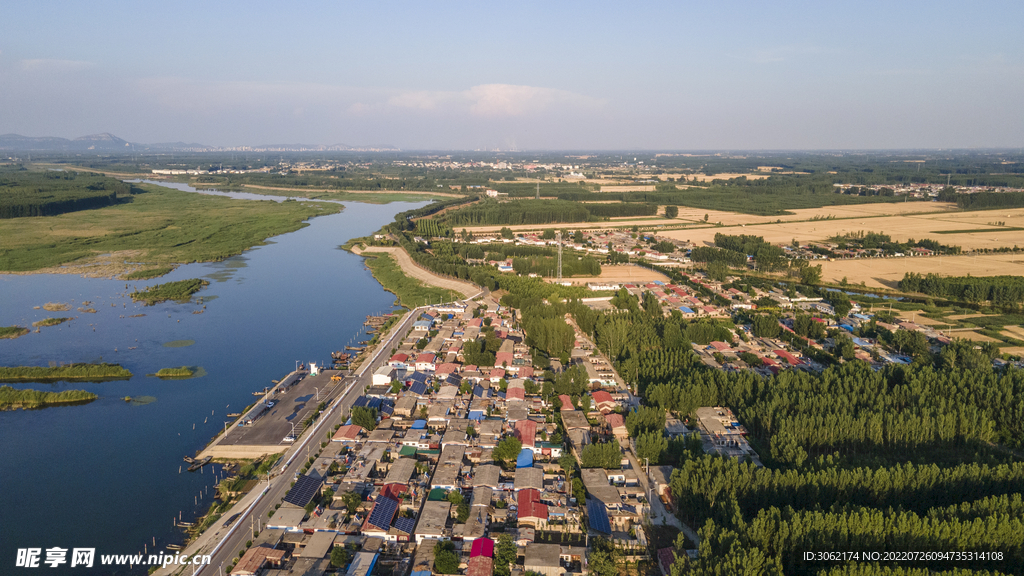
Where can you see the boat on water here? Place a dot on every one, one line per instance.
(200, 463)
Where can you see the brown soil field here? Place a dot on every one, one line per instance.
(624, 274)
(1014, 332)
(964, 316)
(886, 272)
(902, 221)
(918, 317)
(627, 188)
(972, 336)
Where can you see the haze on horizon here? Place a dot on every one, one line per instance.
(528, 76)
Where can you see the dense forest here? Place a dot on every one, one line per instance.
(24, 193)
(888, 461)
(1006, 292)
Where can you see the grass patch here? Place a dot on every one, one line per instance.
(179, 343)
(183, 372)
(148, 273)
(411, 292)
(69, 372)
(50, 322)
(13, 398)
(180, 291)
(164, 226)
(12, 332)
(998, 320)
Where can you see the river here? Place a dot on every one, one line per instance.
(105, 475)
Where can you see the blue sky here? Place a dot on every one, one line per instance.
(468, 75)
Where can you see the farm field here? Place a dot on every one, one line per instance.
(887, 272)
(969, 230)
(623, 274)
(695, 216)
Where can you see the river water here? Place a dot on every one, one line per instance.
(105, 475)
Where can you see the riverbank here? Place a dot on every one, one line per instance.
(413, 284)
(157, 228)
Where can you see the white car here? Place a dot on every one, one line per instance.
(270, 403)
(289, 438)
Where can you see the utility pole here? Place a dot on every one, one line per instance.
(558, 238)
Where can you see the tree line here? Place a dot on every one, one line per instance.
(1002, 291)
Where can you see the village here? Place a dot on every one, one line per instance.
(442, 458)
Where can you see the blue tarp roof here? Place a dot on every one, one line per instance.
(525, 459)
(846, 327)
(476, 415)
(659, 282)
(686, 310)
(419, 425)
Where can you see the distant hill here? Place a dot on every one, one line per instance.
(107, 142)
(101, 142)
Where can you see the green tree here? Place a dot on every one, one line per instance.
(651, 445)
(351, 501)
(810, 274)
(504, 555)
(508, 449)
(507, 233)
(365, 417)
(340, 557)
(446, 560)
(671, 211)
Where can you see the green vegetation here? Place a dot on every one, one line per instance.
(1005, 292)
(50, 322)
(607, 455)
(541, 212)
(365, 417)
(410, 292)
(12, 332)
(446, 560)
(180, 291)
(30, 193)
(167, 226)
(12, 398)
(179, 343)
(69, 372)
(183, 372)
(148, 273)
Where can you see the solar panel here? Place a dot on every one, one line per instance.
(387, 407)
(373, 403)
(302, 493)
(361, 401)
(406, 525)
(383, 512)
(418, 388)
(598, 516)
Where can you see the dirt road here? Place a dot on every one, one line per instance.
(414, 270)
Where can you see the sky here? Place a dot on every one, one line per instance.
(519, 75)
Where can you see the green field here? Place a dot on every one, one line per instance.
(69, 372)
(12, 332)
(411, 292)
(183, 372)
(159, 227)
(50, 322)
(180, 291)
(12, 398)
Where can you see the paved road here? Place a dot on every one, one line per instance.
(659, 515)
(224, 542)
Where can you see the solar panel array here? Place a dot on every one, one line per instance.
(373, 403)
(406, 525)
(418, 388)
(302, 493)
(360, 402)
(383, 513)
(598, 516)
(387, 407)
